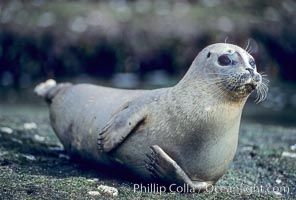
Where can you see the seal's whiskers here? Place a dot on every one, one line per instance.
(262, 90)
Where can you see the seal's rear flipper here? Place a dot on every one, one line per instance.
(49, 89)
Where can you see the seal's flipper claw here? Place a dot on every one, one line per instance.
(150, 158)
(100, 148)
(163, 164)
(152, 172)
(105, 141)
(152, 167)
(157, 165)
(120, 126)
(165, 168)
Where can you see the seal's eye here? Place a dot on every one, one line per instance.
(224, 60)
(252, 63)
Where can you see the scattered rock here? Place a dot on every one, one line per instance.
(57, 148)
(17, 140)
(6, 130)
(29, 157)
(30, 125)
(112, 191)
(3, 153)
(39, 138)
(247, 148)
(278, 181)
(293, 147)
(93, 180)
(94, 193)
(64, 156)
(288, 154)
(276, 193)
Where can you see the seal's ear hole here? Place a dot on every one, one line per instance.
(209, 54)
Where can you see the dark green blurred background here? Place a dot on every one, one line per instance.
(139, 44)
(142, 44)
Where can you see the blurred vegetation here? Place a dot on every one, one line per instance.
(138, 40)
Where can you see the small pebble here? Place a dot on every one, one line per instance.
(30, 125)
(93, 180)
(29, 157)
(64, 156)
(3, 153)
(58, 148)
(39, 138)
(277, 193)
(293, 147)
(278, 181)
(6, 130)
(247, 148)
(112, 191)
(17, 140)
(94, 193)
(289, 154)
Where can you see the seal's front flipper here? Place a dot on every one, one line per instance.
(163, 167)
(120, 126)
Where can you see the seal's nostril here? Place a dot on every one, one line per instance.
(251, 71)
(257, 78)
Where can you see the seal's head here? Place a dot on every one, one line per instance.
(231, 68)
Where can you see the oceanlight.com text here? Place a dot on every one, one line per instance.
(240, 189)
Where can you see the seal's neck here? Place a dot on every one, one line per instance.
(196, 96)
(205, 90)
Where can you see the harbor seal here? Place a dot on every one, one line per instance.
(185, 134)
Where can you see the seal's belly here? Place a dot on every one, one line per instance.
(200, 161)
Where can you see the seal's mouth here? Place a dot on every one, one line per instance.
(244, 90)
(250, 86)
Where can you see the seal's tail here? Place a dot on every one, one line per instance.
(49, 89)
